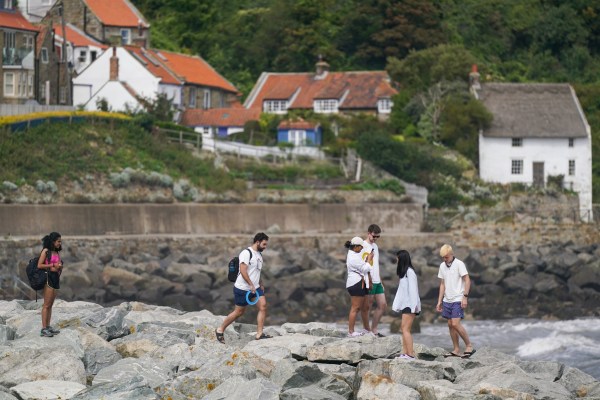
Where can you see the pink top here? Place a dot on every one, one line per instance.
(54, 258)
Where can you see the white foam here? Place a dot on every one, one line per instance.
(570, 326)
(556, 342)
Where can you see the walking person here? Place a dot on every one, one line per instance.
(377, 292)
(453, 299)
(407, 301)
(357, 282)
(249, 280)
(51, 262)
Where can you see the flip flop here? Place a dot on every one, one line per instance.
(451, 354)
(468, 354)
(220, 337)
(264, 336)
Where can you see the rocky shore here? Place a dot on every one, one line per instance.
(138, 351)
(305, 275)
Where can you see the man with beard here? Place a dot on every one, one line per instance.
(248, 280)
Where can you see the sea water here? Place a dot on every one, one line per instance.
(575, 343)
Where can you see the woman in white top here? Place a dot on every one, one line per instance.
(407, 301)
(358, 281)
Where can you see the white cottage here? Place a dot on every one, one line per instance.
(538, 130)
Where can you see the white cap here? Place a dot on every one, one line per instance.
(356, 241)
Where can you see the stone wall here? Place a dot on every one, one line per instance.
(135, 219)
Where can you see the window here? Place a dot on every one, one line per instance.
(206, 130)
(93, 55)
(43, 91)
(384, 106)
(326, 106)
(44, 54)
(125, 36)
(298, 138)
(571, 142)
(9, 84)
(9, 40)
(275, 106)
(8, 4)
(28, 42)
(22, 85)
(571, 167)
(192, 97)
(30, 85)
(82, 56)
(206, 98)
(516, 167)
(46, 2)
(62, 95)
(517, 142)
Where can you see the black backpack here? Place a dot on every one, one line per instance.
(37, 277)
(234, 267)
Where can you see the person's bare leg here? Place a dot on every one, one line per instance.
(49, 296)
(407, 339)
(355, 307)
(261, 316)
(365, 309)
(237, 312)
(379, 311)
(454, 336)
(462, 332)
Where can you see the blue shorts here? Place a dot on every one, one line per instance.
(452, 310)
(239, 296)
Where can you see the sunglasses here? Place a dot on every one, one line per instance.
(376, 236)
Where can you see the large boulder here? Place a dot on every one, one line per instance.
(47, 389)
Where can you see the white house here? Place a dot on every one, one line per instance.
(539, 130)
(35, 10)
(138, 77)
(82, 49)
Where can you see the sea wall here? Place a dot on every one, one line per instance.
(148, 219)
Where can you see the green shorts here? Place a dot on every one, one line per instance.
(376, 289)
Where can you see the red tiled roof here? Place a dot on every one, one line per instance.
(355, 90)
(219, 116)
(116, 13)
(13, 19)
(76, 37)
(300, 124)
(194, 70)
(154, 65)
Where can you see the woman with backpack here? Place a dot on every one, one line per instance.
(407, 301)
(50, 262)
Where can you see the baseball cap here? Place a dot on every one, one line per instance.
(356, 241)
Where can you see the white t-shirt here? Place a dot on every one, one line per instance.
(357, 269)
(254, 267)
(367, 247)
(452, 276)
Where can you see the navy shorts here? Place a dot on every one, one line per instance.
(357, 290)
(239, 296)
(452, 310)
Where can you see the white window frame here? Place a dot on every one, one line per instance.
(193, 95)
(384, 106)
(297, 137)
(30, 85)
(206, 103)
(22, 84)
(8, 4)
(28, 42)
(275, 106)
(10, 81)
(571, 167)
(42, 90)
(10, 40)
(82, 57)
(44, 55)
(516, 167)
(517, 142)
(326, 106)
(125, 36)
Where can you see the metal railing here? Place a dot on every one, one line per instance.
(20, 109)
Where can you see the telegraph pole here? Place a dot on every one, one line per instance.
(64, 60)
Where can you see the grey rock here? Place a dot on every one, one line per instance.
(47, 389)
(375, 387)
(310, 393)
(587, 276)
(108, 323)
(98, 353)
(353, 350)
(240, 388)
(409, 373)
(6, 333)
(314, 329)
(154, 372)
(130, 388)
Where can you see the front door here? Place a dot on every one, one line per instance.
(538, 174)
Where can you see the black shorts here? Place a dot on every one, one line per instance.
(53, 280)
(357, 290)
(407, 310)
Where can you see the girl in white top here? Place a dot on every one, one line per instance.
(407, 301)
(358, 281)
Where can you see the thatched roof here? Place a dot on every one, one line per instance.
(534, 110)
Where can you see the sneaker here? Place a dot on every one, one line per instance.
(366, 332)
(406, 357)
(355, 334)
(54, 331)
(46, 332)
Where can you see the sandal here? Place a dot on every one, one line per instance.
(263, 336)
(220, 336)
(468, 354)
(451, 354)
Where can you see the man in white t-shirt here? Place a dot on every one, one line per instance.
(376, 293)
(249, 281)
(452, 300)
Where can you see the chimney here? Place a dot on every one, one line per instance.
(114, 66)
(474, 84)
(322, 68)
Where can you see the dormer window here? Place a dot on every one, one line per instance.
(517, 142)
(8, 4)
(384, 106)
(125, 36)
(275, 106)
(326, 106)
